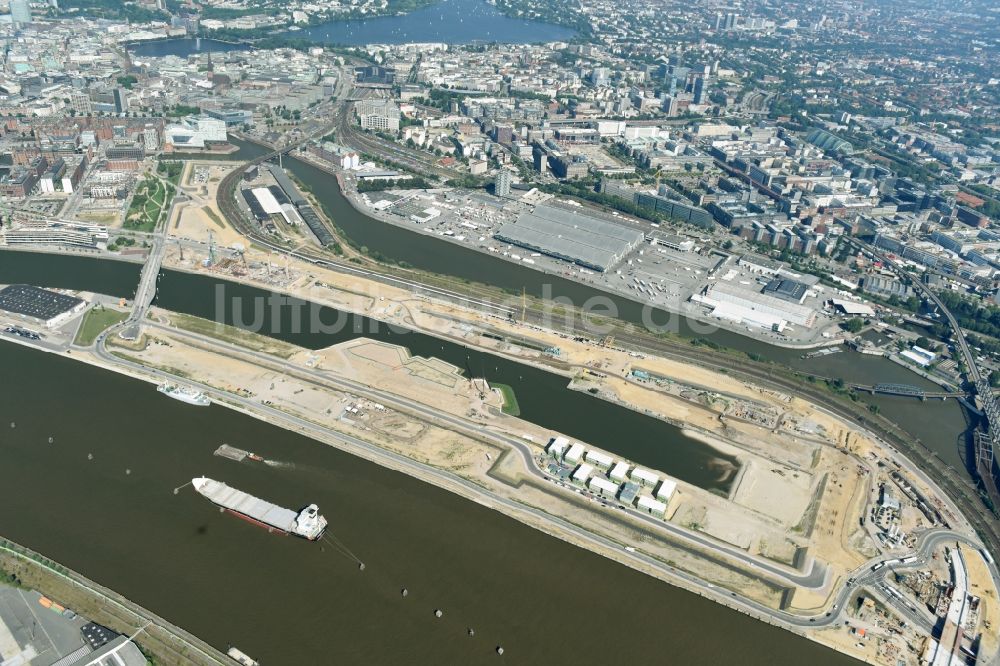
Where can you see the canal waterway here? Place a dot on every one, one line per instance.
(938, 424)
(543, 397)
(100, 499)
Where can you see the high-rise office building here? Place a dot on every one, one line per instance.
(731, 19)
(699, 90)
(120, 100)
(670, 106)
(501, 187)
(20, 11)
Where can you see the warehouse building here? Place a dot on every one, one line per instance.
(572, 236)
(39, 305)
(754, 308)
(787, 290)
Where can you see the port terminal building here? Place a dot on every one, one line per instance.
(572, 236)
(42, 306)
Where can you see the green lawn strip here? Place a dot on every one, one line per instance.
(94, 322)
(510, 405)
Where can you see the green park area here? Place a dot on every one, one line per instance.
(150, 202)
(96, 320)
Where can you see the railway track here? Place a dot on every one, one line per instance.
(961, 490)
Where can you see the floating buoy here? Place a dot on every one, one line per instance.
(404, 592)
(438, 613)
(499, 649)
(127, 471)
(13, 425)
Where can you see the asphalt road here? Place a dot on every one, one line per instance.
(813, 579)
(475, 492)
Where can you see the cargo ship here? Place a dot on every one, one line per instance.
(190, 396)
(307, 523)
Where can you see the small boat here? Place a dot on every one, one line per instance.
(241, 657)
(190, 396)
(254, 456)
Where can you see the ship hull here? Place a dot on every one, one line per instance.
(189, 397)
(253, 521)
(307, 524)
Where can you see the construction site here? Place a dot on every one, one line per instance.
(802, 504)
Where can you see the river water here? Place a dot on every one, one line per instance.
(114, 517)
(939, 424)
(100, 499)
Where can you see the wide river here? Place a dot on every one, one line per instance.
(100, 499)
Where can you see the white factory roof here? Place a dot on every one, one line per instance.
(267, 200)
(619, 471)
(582, 472)
(666, 489)
(651, 505)
(919, 355)
(644, 476)
(599, 459)
(575, 452)
(571, 235)
(852, 307)
(746, 315)
(603, 485)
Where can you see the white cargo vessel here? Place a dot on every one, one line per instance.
(190, 396)
(307, 523)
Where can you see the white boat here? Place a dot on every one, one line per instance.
(241, 657)
(307, 523)
(190, 396)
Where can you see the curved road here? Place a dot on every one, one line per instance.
(928, 541)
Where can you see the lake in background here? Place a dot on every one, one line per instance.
(449, 21)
